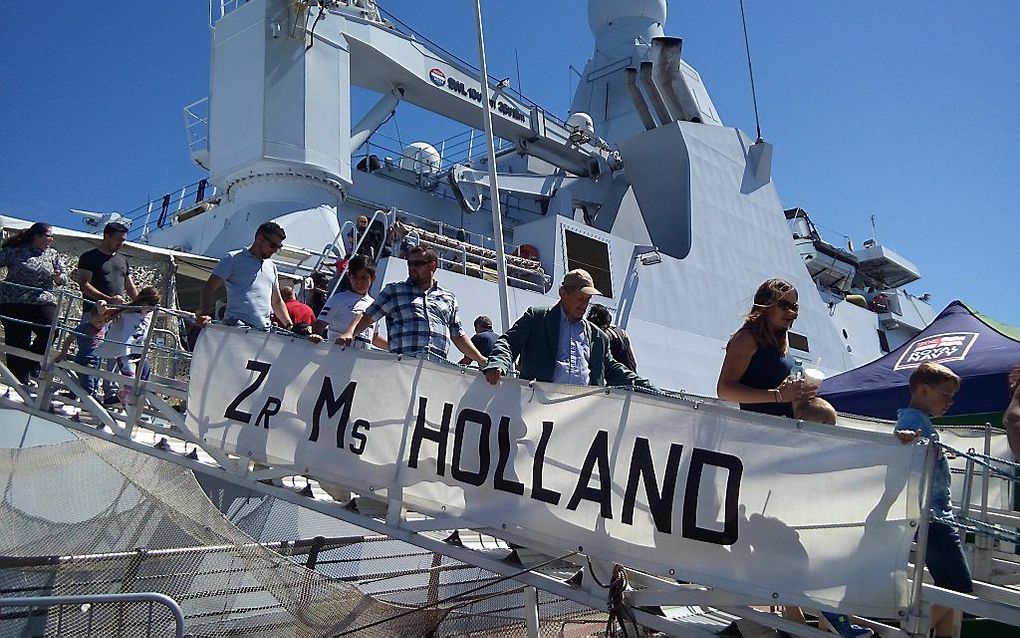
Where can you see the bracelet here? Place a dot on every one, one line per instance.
(778, 395)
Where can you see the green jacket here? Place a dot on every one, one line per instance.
(534, 339)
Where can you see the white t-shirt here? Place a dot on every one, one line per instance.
(125, 335)
(339, 311)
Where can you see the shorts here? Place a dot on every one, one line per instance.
(945, 560)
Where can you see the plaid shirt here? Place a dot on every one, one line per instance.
(417, 320)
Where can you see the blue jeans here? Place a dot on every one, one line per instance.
(90, 383)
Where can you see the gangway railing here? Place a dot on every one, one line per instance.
(153, 409)
(73, 611)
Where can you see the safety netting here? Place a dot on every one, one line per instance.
(92, 517)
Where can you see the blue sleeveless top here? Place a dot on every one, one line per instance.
(766, 370)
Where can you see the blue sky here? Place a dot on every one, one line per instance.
(907, 111)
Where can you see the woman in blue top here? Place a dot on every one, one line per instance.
(756, 369)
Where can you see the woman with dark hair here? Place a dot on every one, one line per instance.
(756, 369)
(619, 340)
(27, 303)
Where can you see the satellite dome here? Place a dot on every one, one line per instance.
(420, 157)
(605, 13)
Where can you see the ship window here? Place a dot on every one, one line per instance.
(592, 255)
(883, 341)
(798, 342)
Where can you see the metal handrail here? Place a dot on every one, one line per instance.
(153, 598)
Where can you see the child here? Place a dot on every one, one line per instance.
(344, 309)
(88, 334)
(125, 339)
(932, 387)
(818, 410)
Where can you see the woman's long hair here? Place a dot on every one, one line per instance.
(147, 297)
(27, 236)
(1014, 380)
(755, 322)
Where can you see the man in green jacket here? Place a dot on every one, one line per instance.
(559, 345)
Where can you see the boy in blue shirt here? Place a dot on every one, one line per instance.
(932, 387)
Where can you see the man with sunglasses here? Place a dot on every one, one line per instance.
(252, 283)
(421, 316)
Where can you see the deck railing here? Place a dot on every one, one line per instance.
(97, 614)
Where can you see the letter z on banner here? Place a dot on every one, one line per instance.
(821, 516)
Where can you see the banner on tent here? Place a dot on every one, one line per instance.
(816, 515)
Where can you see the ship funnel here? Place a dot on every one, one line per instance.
(630, 75)
(669, 80)
(654, 96)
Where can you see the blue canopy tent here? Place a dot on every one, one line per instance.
(979, 349)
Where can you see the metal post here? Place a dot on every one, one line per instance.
(134, 410)
(531, 611)
(46, 365)
(917, 614)
(148, 216)
(497, 219)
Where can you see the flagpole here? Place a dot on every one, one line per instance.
(497, 216)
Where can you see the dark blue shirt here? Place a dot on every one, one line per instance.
(766, 370)
(484, 341)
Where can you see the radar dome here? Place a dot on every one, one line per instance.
(420, 157)
(604, 13)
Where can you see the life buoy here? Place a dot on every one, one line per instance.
(526, 251)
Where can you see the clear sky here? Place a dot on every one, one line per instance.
(907, 111)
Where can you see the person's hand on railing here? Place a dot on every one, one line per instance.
(345, 339)
(202, 320)
(492, 375)
(315, 338)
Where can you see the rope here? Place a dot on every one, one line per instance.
(983, 460)
(619, 611)
(750, 71)
(979, 527)
(456, 596)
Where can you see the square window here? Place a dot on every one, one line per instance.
(592, 255)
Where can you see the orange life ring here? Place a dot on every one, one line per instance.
(526, 251)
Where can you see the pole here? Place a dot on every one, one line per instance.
(497, 217)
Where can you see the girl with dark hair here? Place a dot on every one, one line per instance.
(125, 339)
(756, 369)
(27, 303)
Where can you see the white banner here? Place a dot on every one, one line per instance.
(798, 513)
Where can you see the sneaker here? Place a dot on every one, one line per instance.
(163, 445)
(841, 623)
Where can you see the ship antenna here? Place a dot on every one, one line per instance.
(750, 72)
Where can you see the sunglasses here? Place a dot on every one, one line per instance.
(788, 305)
(418, 263)
(276, 245)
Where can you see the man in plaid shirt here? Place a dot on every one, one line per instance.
(420, 315)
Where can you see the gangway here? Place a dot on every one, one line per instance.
(156, 423)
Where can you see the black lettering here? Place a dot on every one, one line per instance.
(500, 482)
(482, 419)
(537, 491)
(438, 436)
(333, 404)
(232, 412)
(598, 453)
(271, 408)
(660, 504)
(359, 438)
(735, 468)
